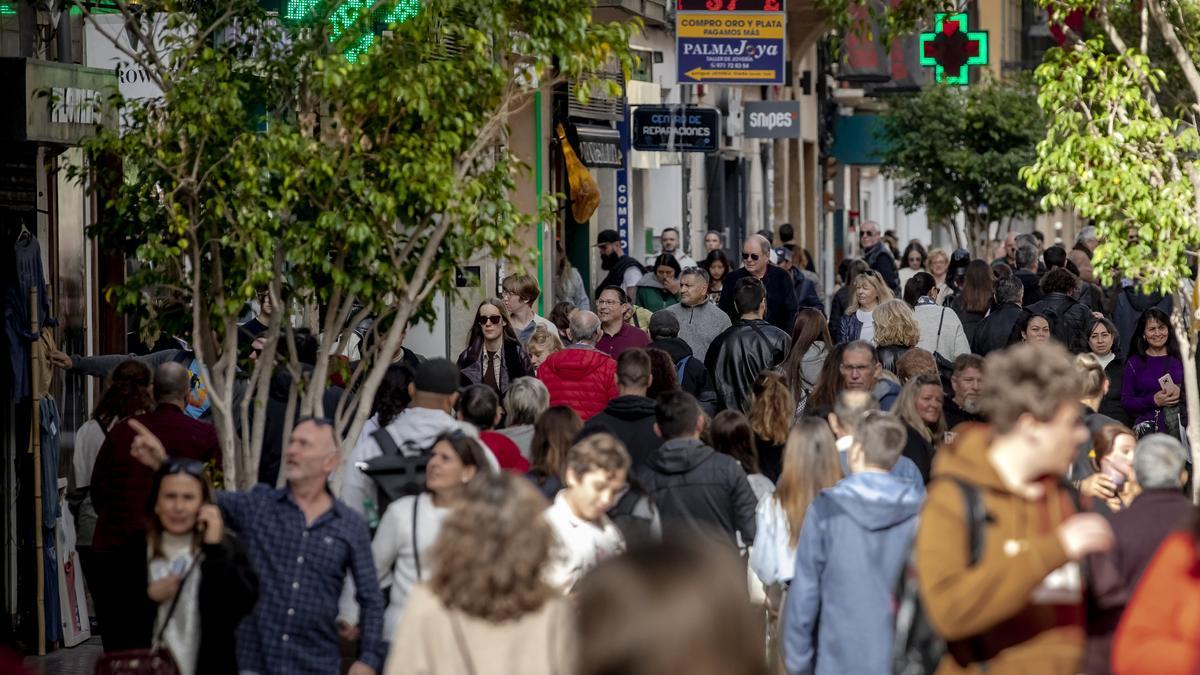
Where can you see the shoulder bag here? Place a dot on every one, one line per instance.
(157, 660)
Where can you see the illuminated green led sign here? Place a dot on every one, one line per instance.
(347, 15)
(952, 48)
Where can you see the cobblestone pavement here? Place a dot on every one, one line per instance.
(78, 660)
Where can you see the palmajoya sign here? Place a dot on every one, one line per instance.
(730, 47)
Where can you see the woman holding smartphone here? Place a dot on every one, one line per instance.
(1152, 387)
(186, 581)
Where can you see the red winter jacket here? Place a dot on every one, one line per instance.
(583, 379)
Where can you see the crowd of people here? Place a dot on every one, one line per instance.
(697, 468)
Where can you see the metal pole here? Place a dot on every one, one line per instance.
(35, 440)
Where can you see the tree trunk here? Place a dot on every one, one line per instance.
(1183, 318)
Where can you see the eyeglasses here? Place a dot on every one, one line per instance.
(867, 233)
(854, 369)
(751, 256)
(494, 319)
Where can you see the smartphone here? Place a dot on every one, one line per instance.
(1110, 466)
(1166, 381)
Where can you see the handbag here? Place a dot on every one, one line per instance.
(156, 660)
(944, 365)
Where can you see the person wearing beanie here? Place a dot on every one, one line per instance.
(434, 392)
(689, 369)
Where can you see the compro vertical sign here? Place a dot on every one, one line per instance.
(723, 47)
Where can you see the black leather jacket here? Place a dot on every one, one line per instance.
(739, 354)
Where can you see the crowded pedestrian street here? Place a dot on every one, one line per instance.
(598, 337)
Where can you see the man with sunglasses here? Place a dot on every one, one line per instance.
(302, 542)
(878, 256)
(781, 292)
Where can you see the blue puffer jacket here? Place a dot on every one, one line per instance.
(856, 536)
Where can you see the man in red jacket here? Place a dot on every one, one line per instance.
(580, 376)
(121, 484)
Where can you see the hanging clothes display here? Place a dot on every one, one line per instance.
(27, 254)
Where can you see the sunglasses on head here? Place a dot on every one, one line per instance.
(190, 467)
(493, 319)
(751, 256)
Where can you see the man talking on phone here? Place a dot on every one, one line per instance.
(302, 542)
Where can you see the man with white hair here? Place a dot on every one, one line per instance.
(781, 292)
(1159, 463)
(1087, 241)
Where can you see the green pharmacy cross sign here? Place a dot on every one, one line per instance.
(347, 16)
(952, 48)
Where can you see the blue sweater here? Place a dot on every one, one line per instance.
(856, 537)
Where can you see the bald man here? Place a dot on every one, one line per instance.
(781, 292)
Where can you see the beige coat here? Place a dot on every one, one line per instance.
(425, 643)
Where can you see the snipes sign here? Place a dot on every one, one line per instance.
(772, 119)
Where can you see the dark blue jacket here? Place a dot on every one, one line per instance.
(856, 537)
(849, 328)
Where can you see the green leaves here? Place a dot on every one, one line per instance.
(1114, 159)
(956, 150)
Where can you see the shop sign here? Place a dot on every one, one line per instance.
(676, 128)
(772, 119)
(599, 147)
(730, 47)
(57, 103)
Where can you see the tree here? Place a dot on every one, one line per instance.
(956, 150)
(272, 163)
(1117, 155)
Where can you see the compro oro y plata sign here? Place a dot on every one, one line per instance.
(730, 48)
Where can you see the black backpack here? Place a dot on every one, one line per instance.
(395, 473)
(917, 648)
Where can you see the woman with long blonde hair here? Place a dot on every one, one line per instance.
(810, 464)
(920, 407)
(859, 322)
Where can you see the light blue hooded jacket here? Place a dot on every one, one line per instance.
(855, 540)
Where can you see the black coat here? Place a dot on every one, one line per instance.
(997, 330)
(515, 361)
(969, 320)
(770, 457)
(277, 424)
(920, 451)
(955, 415)
(631, 419)
(1033, 286)
(838, 305)
(739, 354)
(698, 489)
(781, 296)
(696, 380)
(616, 276)
(880, 259)
(228, 592)
(1111, 403)
(1072, 317)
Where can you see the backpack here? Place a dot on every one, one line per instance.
(680, 368)
(635, 515)
(917, 649)
(395, 473)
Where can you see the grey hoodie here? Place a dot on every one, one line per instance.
(699, 325)
(855, 540)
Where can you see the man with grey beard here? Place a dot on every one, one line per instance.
(966, 381)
